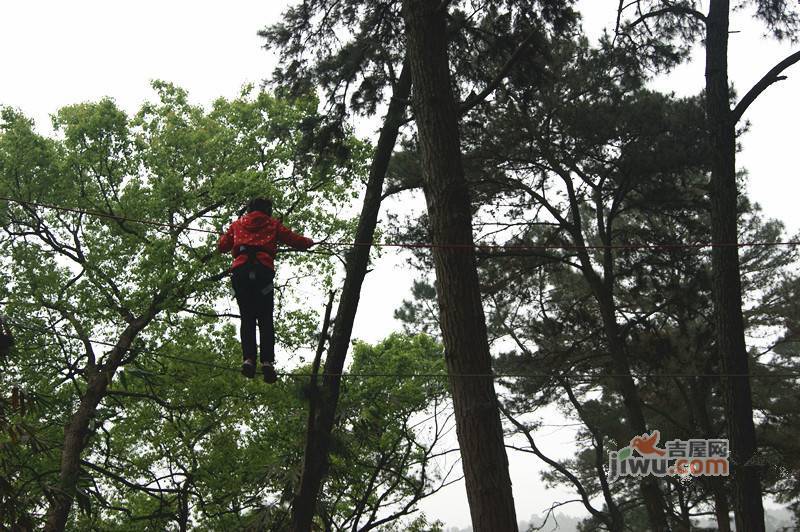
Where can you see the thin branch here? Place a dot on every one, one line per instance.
(769, 78)
(121, 480)
(475, 99)
(585, 497)
(674, 10)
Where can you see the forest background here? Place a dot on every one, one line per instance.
(101, 52)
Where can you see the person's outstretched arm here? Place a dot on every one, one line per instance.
(290, 238)
(225, 243)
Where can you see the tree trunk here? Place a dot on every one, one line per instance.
(727, 290)
(602, 290)
(463, 324)
(315, 462)
(183, 508)
(648, 486)
(76, 433)
(721, 507)
(700, 396)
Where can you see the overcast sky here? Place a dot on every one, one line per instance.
(56, 53)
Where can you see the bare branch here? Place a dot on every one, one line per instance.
(674, 10)
(585, 498)
(773, 76)
(475, 99)
(121, 480)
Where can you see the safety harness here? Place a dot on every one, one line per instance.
(252, 261)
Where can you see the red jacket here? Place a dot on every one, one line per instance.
(258, 229)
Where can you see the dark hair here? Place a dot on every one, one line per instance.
(260, 204)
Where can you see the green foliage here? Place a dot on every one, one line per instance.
(663, 31)
(586, 156)
(76, 278)
(354, 50)
(231, 449)
(382, 460)
(181, 438)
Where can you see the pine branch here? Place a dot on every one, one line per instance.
(773, 76)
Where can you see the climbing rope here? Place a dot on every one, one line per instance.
(430, 245)
(427, 245)
(577, 376)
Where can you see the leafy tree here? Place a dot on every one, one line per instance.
(568, 152)
(355, 52)
(462, 320)
(194, 447)
(663, 23)
(383, 461)
(307, 43)
(637, 181)
(92, 286)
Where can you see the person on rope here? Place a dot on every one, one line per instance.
(253, 240)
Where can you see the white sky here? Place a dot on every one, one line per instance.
(56, 53)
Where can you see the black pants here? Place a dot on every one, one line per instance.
(255, 294)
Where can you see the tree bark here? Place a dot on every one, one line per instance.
(701, 396)
(462, 319)
(721, 507)
(648, 486)
(76, 433)
(315, 462)
(727, 290)
(602, 288)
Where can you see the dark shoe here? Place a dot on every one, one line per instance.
(249, 368)
(269, 373)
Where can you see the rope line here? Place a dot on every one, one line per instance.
(402, 376)
(431, 245)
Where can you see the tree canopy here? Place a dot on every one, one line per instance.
(587, 247)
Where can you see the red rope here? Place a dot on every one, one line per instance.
(430, 245)
(539, 247)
